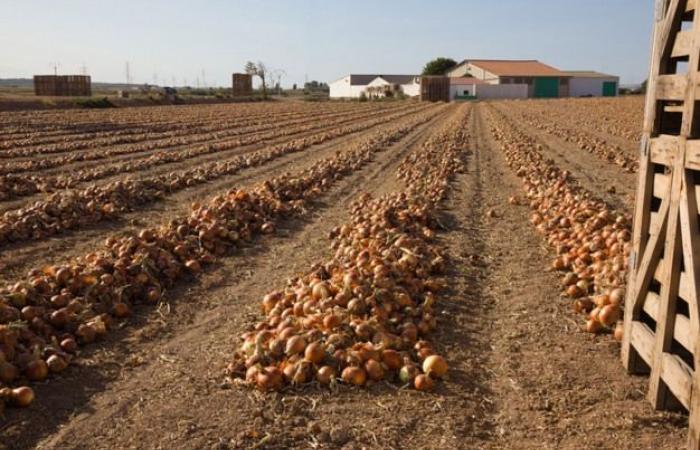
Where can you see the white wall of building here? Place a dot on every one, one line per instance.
(461, 90)
(486, 91)
(464, 70)
(342, 89)
(580, 86)
(411, 89)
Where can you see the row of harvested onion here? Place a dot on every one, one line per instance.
(364, 316)
(549, 123)
(187, 128)
(47, 316)
(591, 240)
(15, 185)
(76, 208)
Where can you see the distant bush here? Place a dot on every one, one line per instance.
(363, 97)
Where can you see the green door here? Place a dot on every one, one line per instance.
(609, 89)
(546, 87)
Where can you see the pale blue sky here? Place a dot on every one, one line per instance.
(322, 39)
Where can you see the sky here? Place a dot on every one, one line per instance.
(176, 41)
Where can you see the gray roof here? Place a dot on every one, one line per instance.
(363, 80)
(588, 74)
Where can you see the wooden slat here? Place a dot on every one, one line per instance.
(681, 329)
(676, 374)
(673, 108)
(684, 287)
(662, 149)
(671, 87)
(642, 339)
(662, 184)
(682, 44)
(692, 155)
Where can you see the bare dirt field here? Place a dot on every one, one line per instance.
(159, 266)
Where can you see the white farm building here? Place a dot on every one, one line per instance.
(587, 83)
(353, 86)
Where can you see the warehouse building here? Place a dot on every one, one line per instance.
(587, 83)
(542, 80)
(354, 85)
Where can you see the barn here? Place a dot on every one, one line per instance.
(376, 85)
(542, 80)
(588, 83)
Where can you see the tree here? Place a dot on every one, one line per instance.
(258, 70)
(439, 66)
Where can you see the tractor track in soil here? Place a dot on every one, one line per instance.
(171, 360)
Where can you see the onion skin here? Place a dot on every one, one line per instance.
(619, 331)
(315, 353)
(22, 396)
(325, 375)
(424, 383)
(354, 375)
(37, 370)
(374, 370)
(435, 366)
(392, 359)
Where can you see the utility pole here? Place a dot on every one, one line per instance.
(204, 78)
(55, 66)
(83, 69)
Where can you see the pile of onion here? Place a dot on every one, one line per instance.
(46, 317)
(591, 240)
(365, 315)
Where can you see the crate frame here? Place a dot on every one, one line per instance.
(661, 325)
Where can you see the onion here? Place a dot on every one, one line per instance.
(435, 366)
(408, 373)
(8, 372)
(354, 375)
(56, 363)
(315, 352)
(424, 383)
(37, 370)
(325, 375)
(22, 396)
(375, 371)
(619, 331)
(295, 344)
(391, 359)
(609, 314)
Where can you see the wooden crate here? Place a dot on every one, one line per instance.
(63, 85)
(435, 89)
(242, 85)
(661, 305)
